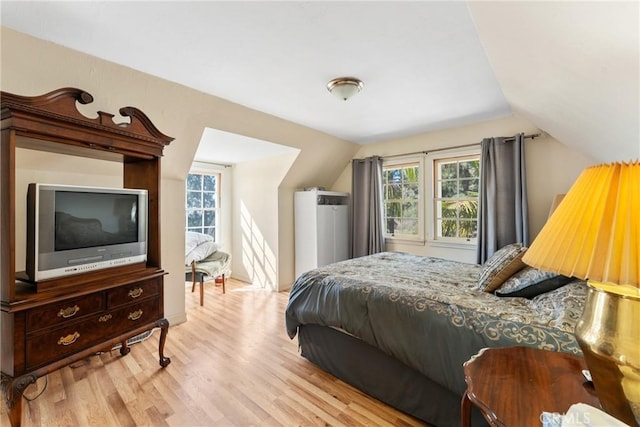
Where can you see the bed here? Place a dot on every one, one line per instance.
(400, 326)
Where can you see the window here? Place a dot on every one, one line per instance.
(203, 203)
(456, 187)
(403, 201)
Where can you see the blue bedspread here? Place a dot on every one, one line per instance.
(426, 312)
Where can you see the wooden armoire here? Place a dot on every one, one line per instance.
(48, 325)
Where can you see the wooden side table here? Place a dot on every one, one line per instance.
(512, 386)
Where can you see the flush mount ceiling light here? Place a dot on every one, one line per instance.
(344, 87)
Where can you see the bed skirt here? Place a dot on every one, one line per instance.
(381, 376)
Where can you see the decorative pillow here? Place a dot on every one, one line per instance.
(200, 252)
(193, 239)
(500, 266)
(531, 282)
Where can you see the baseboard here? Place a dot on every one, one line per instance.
(241, 278)
(177, 318)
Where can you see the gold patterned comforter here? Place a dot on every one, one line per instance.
(426, 312)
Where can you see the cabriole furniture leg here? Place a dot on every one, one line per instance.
(13, 389)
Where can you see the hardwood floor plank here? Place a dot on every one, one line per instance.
(232, 364)
(156, 418)
(301, 410)
(123, 412)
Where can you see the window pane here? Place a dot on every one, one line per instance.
(194, 182)
(410, 210)
(468, 209)
(401, 186)
(393, 209)
(209, 200)
(202, 202)
(194, 199)
(394, 192)
(449, 189)
(209, 183)
(469, 169)
(447, 209)
(448, 171)
(409, 226)
(392, 224)
(448, 228)
(411, 174)
(468, 229)
(469, 187)
(209, 218)
(410, 191)
(457, 197)
(194, 218)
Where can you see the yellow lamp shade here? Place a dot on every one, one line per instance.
(595, 231)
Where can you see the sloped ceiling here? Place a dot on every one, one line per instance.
(571, 68)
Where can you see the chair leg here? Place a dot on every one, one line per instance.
(223, 283)
(202, 292)
(193, 276)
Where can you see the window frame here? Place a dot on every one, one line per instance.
(432, 220)
(400, 161)
(202, 171)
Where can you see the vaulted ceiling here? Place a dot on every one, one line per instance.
(570, 68)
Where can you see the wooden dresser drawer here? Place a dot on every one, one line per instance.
(65, 311)
(134, 315)
(57, 343)
(71, 338)
(135, 291)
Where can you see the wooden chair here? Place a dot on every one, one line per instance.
(199, 277)
(214, 267)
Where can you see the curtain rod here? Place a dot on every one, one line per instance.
(509, 139)
(204, 164)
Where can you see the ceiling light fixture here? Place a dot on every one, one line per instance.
(345, 87)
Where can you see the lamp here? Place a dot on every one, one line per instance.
(594, 234)
(344, 87)
(555, 203)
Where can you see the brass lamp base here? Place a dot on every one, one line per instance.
(609, 335)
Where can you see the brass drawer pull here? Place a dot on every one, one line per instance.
(69, 339)
(135, 315)
(65, 313)
(105, 318)
(135, 293)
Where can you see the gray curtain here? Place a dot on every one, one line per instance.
(367, 232)
(502, 211)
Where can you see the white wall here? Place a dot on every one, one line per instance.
(33, 67)
(184, 113)
(551, 169)
(255, 211)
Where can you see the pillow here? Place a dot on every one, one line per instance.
(530, 282)
(500, 266)
(200, 252)
(193, 239)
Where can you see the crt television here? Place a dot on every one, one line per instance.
(73, 229)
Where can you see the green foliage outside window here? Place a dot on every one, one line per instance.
(201, 204)
(401, 198)
(457, 189)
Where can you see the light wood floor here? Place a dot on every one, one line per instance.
(232, 364)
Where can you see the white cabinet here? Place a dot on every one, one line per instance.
(321, 228)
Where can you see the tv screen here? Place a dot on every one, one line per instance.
(74, 229)
(83, 220)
